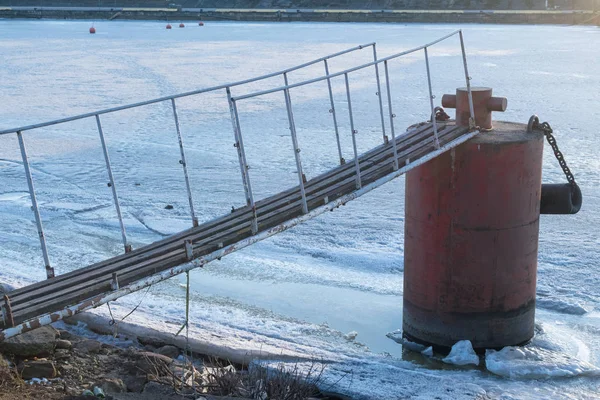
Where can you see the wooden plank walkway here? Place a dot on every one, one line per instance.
(73, 288)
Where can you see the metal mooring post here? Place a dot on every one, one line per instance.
(184, 165)
(385, 138)
(244, 167)
(111, 184)
(34, 206)
(354, 132)
(288, 104)
(392, 115)
(332, 111)
(481, 204)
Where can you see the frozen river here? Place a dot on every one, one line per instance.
(302, 290)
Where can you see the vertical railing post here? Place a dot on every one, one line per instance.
(385, 138)
(239, 145)
(392, 115)
(332, 111)
(468, 80)
(288, 105)
(111, 184)
(431, 97)
(354, 132)
(184, 164)
(34, 206)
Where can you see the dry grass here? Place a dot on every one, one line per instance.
(254, 382)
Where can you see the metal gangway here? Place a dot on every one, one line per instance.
(67, 294)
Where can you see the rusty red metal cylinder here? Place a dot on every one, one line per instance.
(471, 241)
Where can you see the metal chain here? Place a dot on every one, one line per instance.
(534, 123)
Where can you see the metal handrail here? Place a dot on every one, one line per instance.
(347, 71)
(239, 142)
(185, 94)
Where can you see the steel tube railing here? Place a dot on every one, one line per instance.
(385, 138)
(185, 94)
(431, 97)
(34, 206)
(183, 163)
(296, 151)
(111, 184)
(347, 71)
(290, 113)
(332, 111)
(468, 81)
(392, 115)
(244, 167)
(354, 132)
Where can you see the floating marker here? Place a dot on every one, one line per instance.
(181, 25)
(92, 30)
(169, 26)
(201, 23)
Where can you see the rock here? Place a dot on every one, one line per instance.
(37, 369)
(88, 346)
(149, 362)
(65, 334)
(112, 385)
(135, 383)
(169, 351)
(150, 348)
(62, 354)
(63, 344)
(168, 207)
(37, 343)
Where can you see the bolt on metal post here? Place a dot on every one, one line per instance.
(34, 206)
(354, 132)
(111, 184)
(431, 97)
(184, 164)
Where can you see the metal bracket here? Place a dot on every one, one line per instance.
(114, 283)
(189, 250)
(7, 313)
(49, 272)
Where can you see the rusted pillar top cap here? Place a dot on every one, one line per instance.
(483, 105)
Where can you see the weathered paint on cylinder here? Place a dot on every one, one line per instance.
(471, 241)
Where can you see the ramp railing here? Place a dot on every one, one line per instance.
(238, 137)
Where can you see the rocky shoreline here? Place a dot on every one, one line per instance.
(50, 363)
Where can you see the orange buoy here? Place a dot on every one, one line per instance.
(92, 30)
(201, 23)
(181, 25)
(168, 26)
